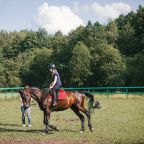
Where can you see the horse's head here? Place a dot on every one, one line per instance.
(27, 93)
(26, 97)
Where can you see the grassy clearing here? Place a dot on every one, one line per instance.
(119, 95)
(120, 121)
(8, 95)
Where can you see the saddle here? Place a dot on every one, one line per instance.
(61, 94)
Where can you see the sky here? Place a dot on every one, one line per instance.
(63, 15)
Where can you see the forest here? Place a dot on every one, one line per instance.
(96, 54)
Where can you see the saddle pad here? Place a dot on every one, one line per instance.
(61, 94)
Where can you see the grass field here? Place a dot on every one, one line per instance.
(120, 121)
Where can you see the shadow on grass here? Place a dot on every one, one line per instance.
(24, 130)
(14, 125)
(69, 130)
(27, 130)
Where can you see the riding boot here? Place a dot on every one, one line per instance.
(54, 98)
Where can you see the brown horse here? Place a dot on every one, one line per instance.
(74, 100)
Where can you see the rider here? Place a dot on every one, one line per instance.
(56, 84)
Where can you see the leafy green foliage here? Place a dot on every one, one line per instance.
(38, 70)
(107, 65)
(11, 73)
(112, 33)
(135, 70)
(91, 55)
(80, 64)
(2, 79)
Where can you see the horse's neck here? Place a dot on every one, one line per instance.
(40, 99)
(36, 97)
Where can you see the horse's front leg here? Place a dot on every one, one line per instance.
(50, 125)
(46, 120)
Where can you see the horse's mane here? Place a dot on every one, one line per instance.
(36, 88)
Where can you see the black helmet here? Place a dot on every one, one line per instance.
(51, 66)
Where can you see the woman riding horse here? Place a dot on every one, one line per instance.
(74, 100)
(56, 84)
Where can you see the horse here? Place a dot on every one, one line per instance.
(74, 100)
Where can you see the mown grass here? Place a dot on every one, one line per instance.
(120, 121)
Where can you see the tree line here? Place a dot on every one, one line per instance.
(97, 54)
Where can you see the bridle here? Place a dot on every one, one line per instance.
(26, 99)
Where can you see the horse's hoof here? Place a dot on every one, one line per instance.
(92, 129)
(57, 128)
(45, 131)
(81, 131)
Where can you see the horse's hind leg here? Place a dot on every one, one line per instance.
(87, 113)
(76, 110)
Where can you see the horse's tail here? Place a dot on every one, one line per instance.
(91, 99)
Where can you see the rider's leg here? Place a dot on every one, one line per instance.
(55, 94)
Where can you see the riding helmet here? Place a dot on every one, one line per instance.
(51, 66)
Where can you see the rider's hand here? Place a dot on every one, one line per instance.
(51, 87)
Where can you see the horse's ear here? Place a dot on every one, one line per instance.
(20, 91)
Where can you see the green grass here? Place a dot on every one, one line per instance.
(120, 121)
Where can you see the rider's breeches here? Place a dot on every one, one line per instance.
(55, 91)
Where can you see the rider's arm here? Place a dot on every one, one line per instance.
(54, 82)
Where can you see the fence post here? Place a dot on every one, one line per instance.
(5, 94)
(12, 94)
(126, 93)
(107, 93)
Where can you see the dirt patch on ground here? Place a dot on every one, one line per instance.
(12, 141)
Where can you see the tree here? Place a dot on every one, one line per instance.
(131, 32)
(13, 44)
(139, 21)
(107, 65)
(73, 38)
(38, 71)
(79, 65)
(112, 33)
(2, 79)
(11, 73)
(127, 42)
(94, 35)
(34, 39)
(139, 27)
(58, 43)
(25, 60)
(135, 70)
